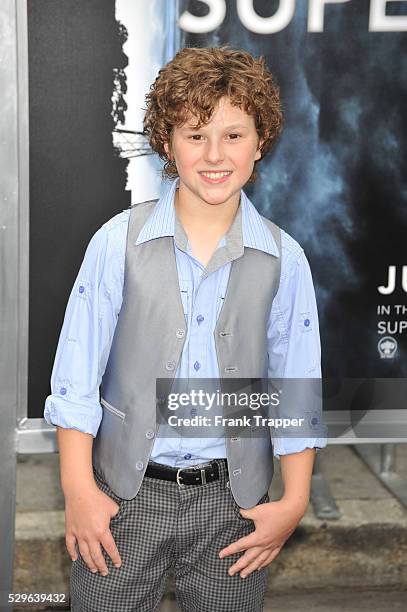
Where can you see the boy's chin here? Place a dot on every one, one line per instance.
(219, 199)
(216, 195)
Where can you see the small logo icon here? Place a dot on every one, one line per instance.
(387, 347)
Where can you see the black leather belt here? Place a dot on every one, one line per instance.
(199, 475)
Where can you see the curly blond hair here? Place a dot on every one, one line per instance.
(193, 83)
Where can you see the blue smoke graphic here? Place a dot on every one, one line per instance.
(336, 178)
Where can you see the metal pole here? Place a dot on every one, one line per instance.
(322, 499)
(9, 291)
(387, 458)
(14, 247)
(381, 459)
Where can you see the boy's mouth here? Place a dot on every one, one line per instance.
(216, 177)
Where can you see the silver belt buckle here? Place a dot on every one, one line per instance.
(203, 476)
(179, 478)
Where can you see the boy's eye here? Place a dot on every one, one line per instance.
(233, 136)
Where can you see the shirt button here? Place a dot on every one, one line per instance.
(62, 391)
(187, 456)
(180, 333)
(81, 289)
(307, 322)
(150, 434)
(139, 465)
(197, 365)
(200, 318)
(170, 365)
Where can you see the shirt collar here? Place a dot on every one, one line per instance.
(247, 230)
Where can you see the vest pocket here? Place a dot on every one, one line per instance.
(112, 409)
(185, 289)
(220, 301)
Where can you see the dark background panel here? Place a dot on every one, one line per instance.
(77, 182)
(336, 179)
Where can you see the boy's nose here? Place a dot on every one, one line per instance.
(214, 152)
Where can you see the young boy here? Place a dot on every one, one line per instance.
(197, 284)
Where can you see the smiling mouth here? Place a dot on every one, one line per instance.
(216, 175)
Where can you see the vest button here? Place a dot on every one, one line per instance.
(139, 465)
(150, 434)
(170, 365)
(180, 333)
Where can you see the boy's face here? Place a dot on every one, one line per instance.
(215, 161)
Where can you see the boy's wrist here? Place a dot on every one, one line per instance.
(73, 487)
(295, 505)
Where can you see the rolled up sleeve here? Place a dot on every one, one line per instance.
(294, 346)
(85, 338)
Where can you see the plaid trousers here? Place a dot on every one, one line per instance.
(171, 528)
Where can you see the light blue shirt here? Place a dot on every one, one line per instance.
(95, 302)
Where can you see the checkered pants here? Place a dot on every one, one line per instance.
(171, 528)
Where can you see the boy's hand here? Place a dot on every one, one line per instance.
(274, 523)
(87, 520)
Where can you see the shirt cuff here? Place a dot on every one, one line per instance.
(287, 446)
(85, 417)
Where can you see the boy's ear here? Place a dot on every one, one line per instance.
(258, 152)
(167, 150)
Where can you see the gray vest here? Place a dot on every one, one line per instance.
(148, 343)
